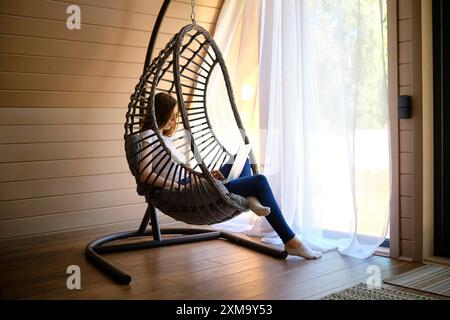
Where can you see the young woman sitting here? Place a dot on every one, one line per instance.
(255, 188)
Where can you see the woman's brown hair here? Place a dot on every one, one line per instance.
(164, 105)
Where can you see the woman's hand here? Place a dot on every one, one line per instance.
(217, 175)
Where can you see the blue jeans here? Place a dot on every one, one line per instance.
(258, 186)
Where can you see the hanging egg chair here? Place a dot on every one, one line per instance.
(182, 69)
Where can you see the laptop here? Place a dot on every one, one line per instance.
(239, 162)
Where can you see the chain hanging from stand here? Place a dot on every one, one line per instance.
(193, 11)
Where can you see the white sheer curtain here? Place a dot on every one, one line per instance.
(322, 99)
(237, 35)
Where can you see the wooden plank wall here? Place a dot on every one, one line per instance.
(63, 99)
(406, 222)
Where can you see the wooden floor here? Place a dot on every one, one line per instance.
(35, 268)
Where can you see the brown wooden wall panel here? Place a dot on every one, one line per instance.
(63, 98)
(101, 16)
(406, 228)
(404, 9)
(405, 124)
(70, 49)
(104, 16)
(68, 66)
(417, 99)
(404, 30)
(32, 170)
(62, 186)
(81, 219)
(206, 10)
(406, 163)
(405, 76)
(60, 151)
(66, 83)
(406, 142)
(404, 52)
(406, 249)
(52, 29)
(405, 207)
(143, 6)
(406, 185)
(33, 116)
(22, 45)
(207, 3)
(67, 203)
(60, 133)
(28, 98)
(405, 36)
(406, 90)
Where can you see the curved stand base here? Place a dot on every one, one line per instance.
(95, 248)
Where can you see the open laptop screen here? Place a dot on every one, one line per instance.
(239, 162)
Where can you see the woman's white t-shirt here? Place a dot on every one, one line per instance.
(156, 160)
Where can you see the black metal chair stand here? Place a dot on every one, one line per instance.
(96, 248)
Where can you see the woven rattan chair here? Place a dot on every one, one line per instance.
(183, 69)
